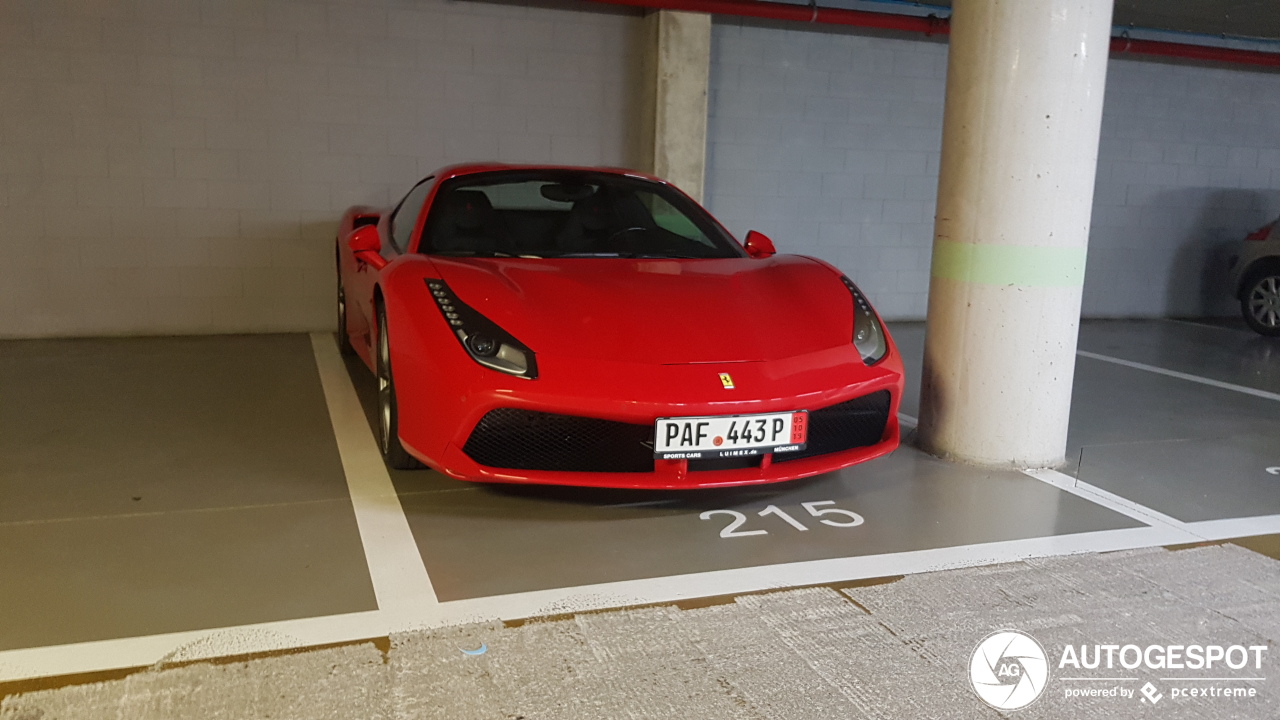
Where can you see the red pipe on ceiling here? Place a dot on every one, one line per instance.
(798, 13)
(932, 26)
(1194, 52)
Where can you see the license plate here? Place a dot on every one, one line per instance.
(718, 436)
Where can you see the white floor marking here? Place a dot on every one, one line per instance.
(147, 650)
(400, 580)
(407, 601)
(1236, 527)
(288, 634)
(1181, 375)
(202, 644)
(1206, 325)
(908, 420)
(784, 575)
(1111, 501)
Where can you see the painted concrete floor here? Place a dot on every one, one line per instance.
(894, 649)
(157, 485)
(189, 498)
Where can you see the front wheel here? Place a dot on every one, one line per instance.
(388, 411)
(1260, 303)
(344, 340)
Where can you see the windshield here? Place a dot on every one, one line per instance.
(561, 213)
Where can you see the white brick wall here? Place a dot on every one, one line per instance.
(179, 165)
(1189, 163)
(829, 142)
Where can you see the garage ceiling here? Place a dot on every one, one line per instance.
(1244, 18)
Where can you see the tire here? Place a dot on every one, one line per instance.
(344, 340)
(1260, 302)
(388, 411)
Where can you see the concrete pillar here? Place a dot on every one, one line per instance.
(676, 52)
(1020, 131)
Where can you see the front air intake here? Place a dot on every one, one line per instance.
(529, 440)
(855, 423)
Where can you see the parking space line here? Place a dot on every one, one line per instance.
(1098, 496)
(400, 580)
(288, 634)
(407, 600)
(1228, 528)
(1113, 502)
(177, 647)
(558, 601)
(1181, 375)
(1206, 325)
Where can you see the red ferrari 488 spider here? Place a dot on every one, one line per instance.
(591, 326)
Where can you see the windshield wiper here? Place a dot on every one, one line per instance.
(471, 253)
(630, 256)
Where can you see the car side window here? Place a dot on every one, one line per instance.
(405, 216)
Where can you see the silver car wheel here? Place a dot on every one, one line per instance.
(384, 386)
(1264, 301)
(342, 310)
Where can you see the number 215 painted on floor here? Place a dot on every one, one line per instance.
(816, 509)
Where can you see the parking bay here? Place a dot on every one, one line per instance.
(168, 484)
(484, 540)
(1142, 435)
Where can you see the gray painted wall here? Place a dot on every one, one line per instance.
(179, 166)
(829, 142)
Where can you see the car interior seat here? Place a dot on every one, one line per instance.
(467, 222)
(596, 219)
(591, 221)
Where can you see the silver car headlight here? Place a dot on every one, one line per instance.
(484, 341)
(868, 335)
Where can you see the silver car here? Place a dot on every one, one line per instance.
(1255, 275)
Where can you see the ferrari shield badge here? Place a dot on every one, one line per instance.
(726, 381)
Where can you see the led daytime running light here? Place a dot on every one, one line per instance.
(486, 343)
(868, 335)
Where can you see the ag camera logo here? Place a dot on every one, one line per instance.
(1008, 670)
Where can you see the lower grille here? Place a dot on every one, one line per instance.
(528, 440)
(852, 424)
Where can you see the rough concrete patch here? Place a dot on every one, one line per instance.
(1237, 574)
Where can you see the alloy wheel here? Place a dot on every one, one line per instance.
(342, 312)
(1264, 301)
(384, 387)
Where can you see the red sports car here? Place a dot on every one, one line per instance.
(594, 326)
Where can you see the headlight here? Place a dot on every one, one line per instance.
(868, 336)
(484, 341)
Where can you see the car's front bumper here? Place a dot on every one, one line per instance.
(437, 419)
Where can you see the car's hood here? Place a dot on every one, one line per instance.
(659, 311)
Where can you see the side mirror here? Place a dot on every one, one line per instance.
(759, 245)
(366, 246)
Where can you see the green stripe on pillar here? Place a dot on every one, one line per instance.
(1022, 265)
